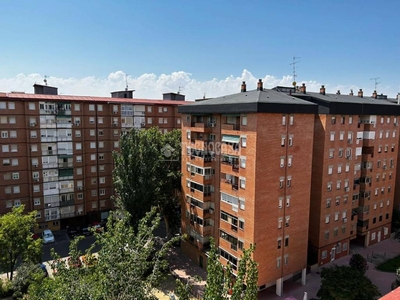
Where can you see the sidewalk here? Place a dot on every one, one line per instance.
(379, 252)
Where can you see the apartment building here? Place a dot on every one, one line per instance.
(354, 171)
(56, 150)
(246, 163)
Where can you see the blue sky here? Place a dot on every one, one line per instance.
(340, 43)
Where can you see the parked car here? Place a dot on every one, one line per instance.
(35, 236)
(86, 230)
(98, 227)
(48, 237)
(73, 231)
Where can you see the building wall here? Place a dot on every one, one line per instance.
(45, 139)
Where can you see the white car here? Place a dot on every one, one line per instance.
(48, 237)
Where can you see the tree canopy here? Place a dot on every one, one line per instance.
(128, 266)
(344, 282)
(147, 174)
(221, 281)
(16, 241)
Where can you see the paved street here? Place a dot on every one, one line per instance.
(61, 246)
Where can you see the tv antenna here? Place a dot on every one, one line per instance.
(45, 79)
(295, 61)
(179, 90)
(126, 82)
(376, 81)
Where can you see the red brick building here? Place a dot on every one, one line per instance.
(56, 150)
(354, 171)
(290, 171)
(246, 174)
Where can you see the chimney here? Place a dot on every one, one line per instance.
(322, 90)
(351, 93)
(360, 93)
(260, 85)
(375, 95)
(303, 88)
(243, 89)
(338, 92)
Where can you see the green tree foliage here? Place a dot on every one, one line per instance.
(16, 241)
(358, 262)
(343, 282)
(27, 273)
(220, 280)
(147, 174)
(129, 265)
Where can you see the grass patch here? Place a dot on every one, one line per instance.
(390, 265)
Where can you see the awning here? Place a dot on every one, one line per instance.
(233, 139)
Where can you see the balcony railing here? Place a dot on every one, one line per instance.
(230, 126)
(68, 215)
(66, 202)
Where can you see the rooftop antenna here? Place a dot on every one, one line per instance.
(126, 82)
(179, 90)
(204, 96)
(376, 81)
(294, 69)
(45, 79)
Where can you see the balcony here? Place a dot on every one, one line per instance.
(230, 184)
(65, 165)
(66, 202)
(199, 144)
(68, 215)
(227, 126)
(52, 217)
(202, 127)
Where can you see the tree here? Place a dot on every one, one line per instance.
(147, 174)
(129, 265)
(220, 280)
(16, 241)
(343, 282)
(358, 262)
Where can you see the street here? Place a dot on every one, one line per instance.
(61, 246)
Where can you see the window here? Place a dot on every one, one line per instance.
(165, 109)
(333, 120)
(160, 109)
(3, 105)
(286, 259)
(116, 144)
(290, 157)
(280, 202)
(339, 169)
(341, 135)
(281, 182)
(244, 142)
(92, 156)
(77, 107)
(289, 181)
(291, 119)
(287, 201)
(92, 132)
(91, 120)
(280, 223)
(101, 156)
(91, 107)
(149, 120)
(337, 216)
(287, 221)
(330, 168)
(102, 180)
(332, 137)
(94, 193)
(326, 235)
(5, 148)
(328, 202)
(149, 109)
(101, 168)
(290, 142)
(337, 200)
(93, 169)
(283, 137)
(78, 146)
(15, 175)
(373, 235)
(327, 219)
(286, 241)
(329, 186)
(92, 145)
(101, 144)
(279, 243)
(324, 254)
(347, 168)
(36, 201)
(284, 120)
(331, 153)
(79, 171)
(16, 189)
(4, 134)
(11, 105)
(282, 163)
(100, 107)
(244, 120)
(102, 192)
(243, 183)
(243, 162)
(278, 263)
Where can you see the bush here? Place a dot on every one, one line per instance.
(5, 288)
(358, 262)
(27, 273)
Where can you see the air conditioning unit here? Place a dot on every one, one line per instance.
(344, 220)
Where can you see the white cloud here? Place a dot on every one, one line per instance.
(152, 86)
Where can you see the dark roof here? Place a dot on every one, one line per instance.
(251, 101)
(350, 105)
